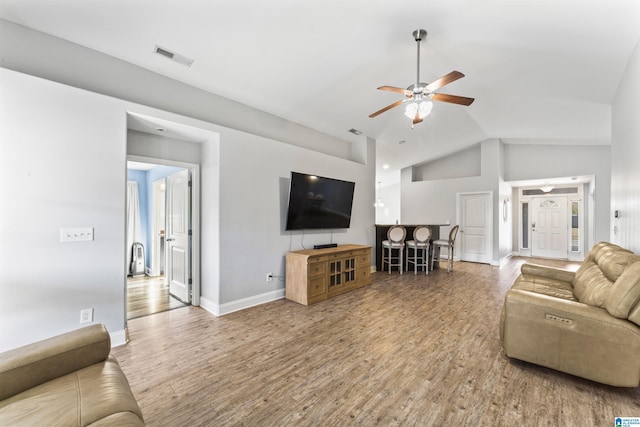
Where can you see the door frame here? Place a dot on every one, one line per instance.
(490, 215)
(585, 204)
(194, 170)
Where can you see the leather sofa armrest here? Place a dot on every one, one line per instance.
(548, 272)
(34, 364)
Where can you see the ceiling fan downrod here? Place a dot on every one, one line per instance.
(418, 35)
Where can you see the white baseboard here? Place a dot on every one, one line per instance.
(502, 261)
(118, 338)
(241, 304)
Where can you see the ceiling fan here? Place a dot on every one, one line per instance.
(419, 95)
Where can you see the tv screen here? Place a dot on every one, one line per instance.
(318, 202)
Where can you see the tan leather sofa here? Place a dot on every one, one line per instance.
(68, 380)
(583, 323)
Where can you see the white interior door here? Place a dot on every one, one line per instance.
(549, 227)
(178, 250)
(475, 233)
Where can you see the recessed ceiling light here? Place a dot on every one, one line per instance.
(385, 166)
(355, 131)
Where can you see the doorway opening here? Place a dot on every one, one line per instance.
(555, 221)
(159, 243)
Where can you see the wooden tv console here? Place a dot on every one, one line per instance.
(313, 275)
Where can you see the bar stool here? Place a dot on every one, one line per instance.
(438, 245)
(420, 246)
(395, 241)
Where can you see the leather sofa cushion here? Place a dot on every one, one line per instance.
(612, 260)
(546, 286)
(99, 394)
(594, 279)
(625, 294)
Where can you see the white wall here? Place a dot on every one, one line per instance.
(539, 161)
(62, 165)
(434, 201)
(161, 147)
(39, 54)
(390, 196)
(625, 158)
(253, 205)
(53, 129)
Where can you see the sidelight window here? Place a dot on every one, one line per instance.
(525, 225)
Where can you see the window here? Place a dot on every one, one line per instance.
(549, 204)
(575, 227)
(539, 192)
(525, 225)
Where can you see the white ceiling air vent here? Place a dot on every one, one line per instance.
(173, 56)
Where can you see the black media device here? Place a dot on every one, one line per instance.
(317, 202)
(328, 245)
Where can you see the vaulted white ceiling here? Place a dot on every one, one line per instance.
(540, 70)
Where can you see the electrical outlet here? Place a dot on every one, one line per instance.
(86, 315)
(269, 277)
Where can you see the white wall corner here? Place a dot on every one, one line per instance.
(210, 306)
(503, 261)
(119, 338)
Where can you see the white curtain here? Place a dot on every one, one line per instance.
(133, 220)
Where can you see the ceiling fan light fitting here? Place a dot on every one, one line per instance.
(422, 108)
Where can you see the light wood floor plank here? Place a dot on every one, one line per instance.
(149, 295)
(407, 350)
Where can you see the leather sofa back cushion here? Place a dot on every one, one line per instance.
(625, 293)
(614, 260)
(602, 267)
(31, 365)
(590, 285)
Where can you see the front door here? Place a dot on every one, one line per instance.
(476, 215)
(178, 235)
(549, 227)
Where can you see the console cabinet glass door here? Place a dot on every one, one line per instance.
(342, 271)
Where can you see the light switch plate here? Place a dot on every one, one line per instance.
(76, 234)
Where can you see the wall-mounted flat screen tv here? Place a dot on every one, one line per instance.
(317, 202)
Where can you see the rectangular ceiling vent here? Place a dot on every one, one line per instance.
(181, 59)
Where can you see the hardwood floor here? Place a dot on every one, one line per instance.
(407, 350)
(149, 295)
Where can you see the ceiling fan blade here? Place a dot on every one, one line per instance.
(453, 99)
(388, 107)
(417, 118)
(444, 80)
(397, 89)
